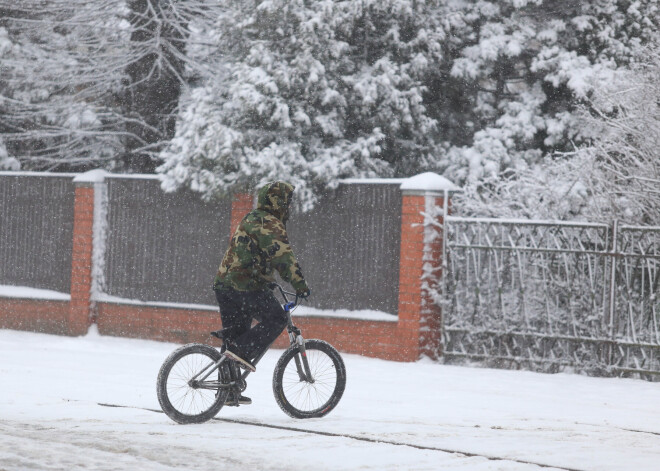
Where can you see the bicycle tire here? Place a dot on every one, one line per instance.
(180, 392)
(304, 400)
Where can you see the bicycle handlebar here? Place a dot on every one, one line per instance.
(274, 285)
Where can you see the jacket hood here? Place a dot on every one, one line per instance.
(275, 198)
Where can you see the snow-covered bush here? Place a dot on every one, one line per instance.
(625, 116)
(528, 65)
(613, 175)
(6, 162)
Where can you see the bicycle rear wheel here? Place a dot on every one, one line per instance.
(182, 396)
(303, 399)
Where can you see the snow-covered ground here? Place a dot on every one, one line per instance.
(54, 415)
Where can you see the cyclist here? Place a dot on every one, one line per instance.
(258, 247)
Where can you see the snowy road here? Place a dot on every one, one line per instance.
(419, 416)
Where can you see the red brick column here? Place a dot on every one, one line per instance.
(242, 204)
(422, 212)
(410, 275)
(81, 261)
(430, 324)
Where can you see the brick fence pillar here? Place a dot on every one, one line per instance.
(80, 312)
(425, 198)
(242, 204)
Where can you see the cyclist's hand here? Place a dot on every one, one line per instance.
(304, 294)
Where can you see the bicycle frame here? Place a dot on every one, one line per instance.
(295, 337)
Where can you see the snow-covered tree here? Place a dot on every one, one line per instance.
(529, 63)
(312, 92)
(317, 91)
(625, 115)
(55, 92)
(616, 175)
(228, 95)
(96, 83)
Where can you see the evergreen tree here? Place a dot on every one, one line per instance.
(312, 92)
(318, 91)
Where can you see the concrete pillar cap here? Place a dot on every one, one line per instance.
(92, 176)
(428, 182)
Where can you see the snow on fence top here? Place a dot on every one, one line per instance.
(98, 176)
(26, 292)
(92, 176)
(11, 173)
(136, 176)
(527, 222)
(382, 181)
(428, 182)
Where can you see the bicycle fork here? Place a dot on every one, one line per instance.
(302, 364)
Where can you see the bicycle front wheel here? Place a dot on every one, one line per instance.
(301, 397)
(183, 394)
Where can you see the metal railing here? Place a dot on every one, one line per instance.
(552, 295)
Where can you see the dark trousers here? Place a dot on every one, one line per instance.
(238, 308)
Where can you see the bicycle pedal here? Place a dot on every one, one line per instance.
(236, 400)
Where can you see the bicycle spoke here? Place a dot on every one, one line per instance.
(182, 396)
(310, 396)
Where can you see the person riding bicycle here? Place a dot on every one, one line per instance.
(259, 246)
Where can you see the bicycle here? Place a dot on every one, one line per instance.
(196, 380)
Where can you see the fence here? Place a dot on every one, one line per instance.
(348, 247)
(162, 247)
(167, 247)
(552, 295)
(36, 227)
(116, 251)
(546, 295)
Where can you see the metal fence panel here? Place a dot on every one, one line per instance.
(545, 295)
(636, 300)
(348, 247)
(167, 247)
(162, 246)
(36, 230)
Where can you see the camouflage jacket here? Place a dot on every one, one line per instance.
(260, 245)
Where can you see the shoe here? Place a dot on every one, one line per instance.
(237, 356)
(242, 400)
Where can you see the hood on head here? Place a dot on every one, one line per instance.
(275, 198)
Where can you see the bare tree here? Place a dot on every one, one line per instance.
(626, 160)
(97, 83)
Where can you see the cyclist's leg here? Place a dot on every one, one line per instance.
(272, 320)
(236, 319)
